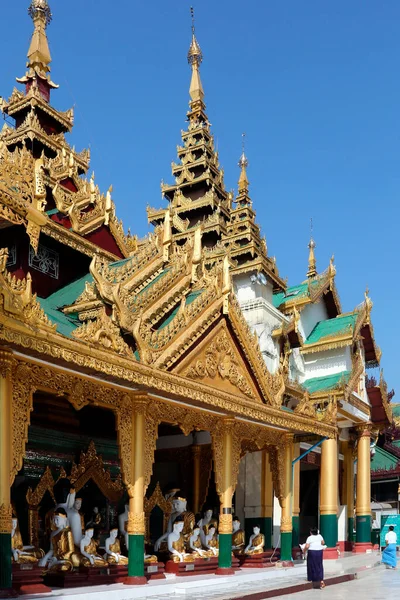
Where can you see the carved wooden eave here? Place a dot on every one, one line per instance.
(75, 241)
(19, 101)
(30, 333)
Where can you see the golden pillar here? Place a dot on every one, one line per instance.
(296, 497)
(286, 518)
(5, 467)
(329, 493)
(348, 486)
(267, 498)
(136, 527)
(196, 453)
(226, 493)
(363, 495)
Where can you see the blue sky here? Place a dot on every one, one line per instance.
(315, 86)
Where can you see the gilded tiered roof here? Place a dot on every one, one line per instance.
(198, 197)
(68, 206)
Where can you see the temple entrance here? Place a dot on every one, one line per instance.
(309, 499)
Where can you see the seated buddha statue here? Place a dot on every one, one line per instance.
(205, 523)
(113, 550)
(256, 542)
(88, 548)
(176, 543)
(179, 510)
(62, 555)
(22, 554)
(211, 541)
(238, 538)
(195, 544)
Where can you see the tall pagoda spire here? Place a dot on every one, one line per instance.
(195, 58)
(243, 183)
(39, 57)
(312, 263)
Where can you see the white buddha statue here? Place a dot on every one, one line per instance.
(22, 554)
(88, 548)
(256, 542)
(211, 541)
(179, 509)
(238, 538)
(113, 550)
(176, 543)
(195, 544)
(75, 519)
(205, 523)
(62, 555)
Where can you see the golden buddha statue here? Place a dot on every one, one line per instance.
(256, 542)
(238, 537)
(22, 554)
(113, 550)
(176, 543)
(62, 555)
(195, 545)
(179, 506)
(89, 556)
(211, 541)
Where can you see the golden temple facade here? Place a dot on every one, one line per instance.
(148, 348)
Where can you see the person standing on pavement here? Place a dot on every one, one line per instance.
(315, 546)
(389, 554)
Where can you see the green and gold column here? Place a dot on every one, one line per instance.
(348, 490)
(329, 496)
(363, 492)
(286, 518)
(225, 517)
(267, 499)
(296, 498)
(136, 527)
(5, 470)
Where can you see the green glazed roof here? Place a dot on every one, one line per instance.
(189, 299)
(332, 327)
(293, 293)
(329, 382)
(65, 324)
(69, 293)
(396, 409)
(383, 460)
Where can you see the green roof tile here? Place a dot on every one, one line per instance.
(329, 382)
(69, 293)
(65, 324)
(396, 409)
(296, 291)
(383, 460)
(332, 327)
(189, 299)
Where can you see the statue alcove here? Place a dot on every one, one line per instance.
(91, 481)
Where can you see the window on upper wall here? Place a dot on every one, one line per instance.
(12, 256)
(46, 261)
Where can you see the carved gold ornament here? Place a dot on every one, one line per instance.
(225, 523)
(5, 518)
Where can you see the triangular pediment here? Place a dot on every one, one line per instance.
(218, 362)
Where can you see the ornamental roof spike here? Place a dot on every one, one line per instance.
(195, 58)
(312, 263)
(39, 57)
(243, 184)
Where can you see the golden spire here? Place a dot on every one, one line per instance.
(243, 164)
(195, 58)
(312, 263)
(39, 57)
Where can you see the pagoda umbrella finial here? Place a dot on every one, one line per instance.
(243, 184)
(312, 263)
(39, 57)
(195, 58)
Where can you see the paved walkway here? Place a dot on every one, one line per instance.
(243, 583)
(379, 584)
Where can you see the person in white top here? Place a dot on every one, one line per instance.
(389, 554)
(315, 545)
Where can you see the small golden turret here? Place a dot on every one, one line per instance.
(312, 263)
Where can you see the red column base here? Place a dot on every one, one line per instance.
(135, 581)
(331, 553)
(362, 547)
(34, 588)
(8, 593)
(225, 571)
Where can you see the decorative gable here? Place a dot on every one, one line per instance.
(217, 362)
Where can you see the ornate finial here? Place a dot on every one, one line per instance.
(39, 57)
(195, 58)
(40, 8)
(194, 55)
(243, 164)
(312, 263)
